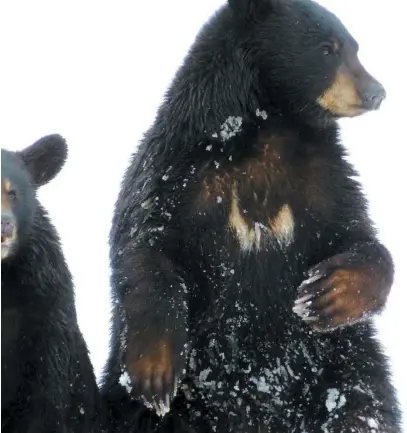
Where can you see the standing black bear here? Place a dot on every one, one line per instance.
(238, 193)
(48, 384)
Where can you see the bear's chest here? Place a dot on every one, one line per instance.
(12, 331)
(259, 223)
(271, 198)
(11, 327)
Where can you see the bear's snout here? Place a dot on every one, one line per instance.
(7, 227)
(373, 94)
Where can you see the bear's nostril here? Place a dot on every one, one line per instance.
(376, 101)
(374, 96)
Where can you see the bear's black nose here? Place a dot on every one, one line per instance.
(373, 96)
(7, 227)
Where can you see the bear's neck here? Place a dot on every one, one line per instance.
(38, 269)
(211, 89)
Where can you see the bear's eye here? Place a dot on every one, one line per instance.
(331, 48)
(12, 195)
(328, 50)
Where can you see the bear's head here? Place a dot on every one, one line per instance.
(21, 174)
(304, 59)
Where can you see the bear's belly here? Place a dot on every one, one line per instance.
(247, 374)
(229, 373)
(250, 350)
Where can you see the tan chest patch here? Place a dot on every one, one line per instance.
(258, 193)
(248, 237)
(250, 234)
(282, 225)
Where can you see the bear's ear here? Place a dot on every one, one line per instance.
(45, 158)
(252, 8)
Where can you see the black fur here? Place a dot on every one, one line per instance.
(48, 383)
(243, 140)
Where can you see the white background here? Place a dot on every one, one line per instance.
(95, 72)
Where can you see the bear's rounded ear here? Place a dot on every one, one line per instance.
(45, 158)
(251, 8)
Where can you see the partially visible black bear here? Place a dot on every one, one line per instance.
(239, 207)
(47, 380)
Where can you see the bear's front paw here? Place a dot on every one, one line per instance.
(340, 291)
(155, 368)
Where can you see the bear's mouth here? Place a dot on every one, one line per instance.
(354, 110)
(7, 243)
(6, 240)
